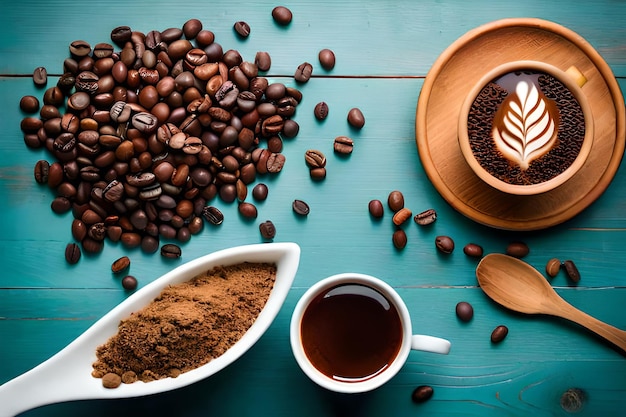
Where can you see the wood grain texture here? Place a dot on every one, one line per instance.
(384, 50)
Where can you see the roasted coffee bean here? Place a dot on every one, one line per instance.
(464, 311)
(242, 29)
(356, 118)
(213, 215)
(315, 159)
(129, 282)
(395, 200)
(120, 35)
(79, 230)
(300, 207)
(80, 48)
(426, 217)
(120, 264)
(248, 210)
(263, 61)
(571, 270)
(474, 250)
(61, 205)
(191, 28)
(376, 209)
(97, 231)
(444, 244)
(303, 72)
(327, 59)
(399, 239)
(171, 251)
(499, 334)
(259, 192)
(422, 394)
(401, 216)
(92, 246)
(149, 244)
(282, 15)
(275, 163)
(131, 239)
(72, 253)
(321, 110)
(290, 128)
(343, 145)
(517, 249)
(42, 169)
(267, 229)
(317, 174)
(40, 76)
(29, 104)
(553, 266)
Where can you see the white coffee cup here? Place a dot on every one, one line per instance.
(354, 285)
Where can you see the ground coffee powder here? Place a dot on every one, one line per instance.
(187, 325)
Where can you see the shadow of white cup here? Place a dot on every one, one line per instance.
(409, 341)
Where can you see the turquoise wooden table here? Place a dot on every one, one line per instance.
(384, 50)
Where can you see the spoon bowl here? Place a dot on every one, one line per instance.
(67, 375)
(518, 286)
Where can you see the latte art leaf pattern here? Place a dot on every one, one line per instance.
(525, 126)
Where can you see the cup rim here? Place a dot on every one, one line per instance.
(545, 186)
(360, 386)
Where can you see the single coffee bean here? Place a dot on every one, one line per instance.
(213, 215)
(259, 192)
(171, 251)
(343, 145)
(321, 110)
(42, 169)
(422, 393)
(29, 104)
(150, 244)
(79, 230)
(120, 35)
(61, 205)
(517, 249)
(571, 270)
(191, 28)
(263, 61)
(399, 239)
(303, 72)
(474, 250)
(444, 244)
(129, 282)
(356, 118)
(426, 217)
(499, 333)
(275, 162)
(40, 76)
(242, 29)
(553, 266)
(290, 129)
(464, 311)
(317, 174)
(120, 264)
(267, 229)
(376, 209)
(248, 210)
(282, 15)
(395, 200)
(314, 159)
(327, 59)
(300, 207)
(401, 216)
(72, 253)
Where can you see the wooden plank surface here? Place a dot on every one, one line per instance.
(384, 50)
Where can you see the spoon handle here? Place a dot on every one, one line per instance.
(608, 332)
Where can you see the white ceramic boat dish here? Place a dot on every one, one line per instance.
(67, 375)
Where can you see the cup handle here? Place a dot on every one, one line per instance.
(577, 76)
(430, 344)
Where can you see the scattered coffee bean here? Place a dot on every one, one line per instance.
(282, 15)
(120, 264)
(376, 209)
(303, 72)
(517, 249)
(72, 253)
(213, 215)
(260, 191)
(42, 170)
(343, 145)
(571, 270)
(401, 216)
(300, 207)
(171, 251)
(248, 210)
(395, 200)
(474, 250)
(321, 110)
(425, 217)
(317, 174)
(129, 282)
(314, 159)
(553, 266)
(444, 244)
(327, 59)
(242, 29)
(111, 380)
(29, 104)
(40, 76)
(267, 229)
(464, 311)
(356, 118)
(399, 239)
(499, 333)
(422, 393)
(263, 61)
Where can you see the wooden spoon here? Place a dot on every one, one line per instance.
(518, 286)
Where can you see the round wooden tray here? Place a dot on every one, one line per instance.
(452, 77)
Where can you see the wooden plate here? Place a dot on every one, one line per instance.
(454, 74)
